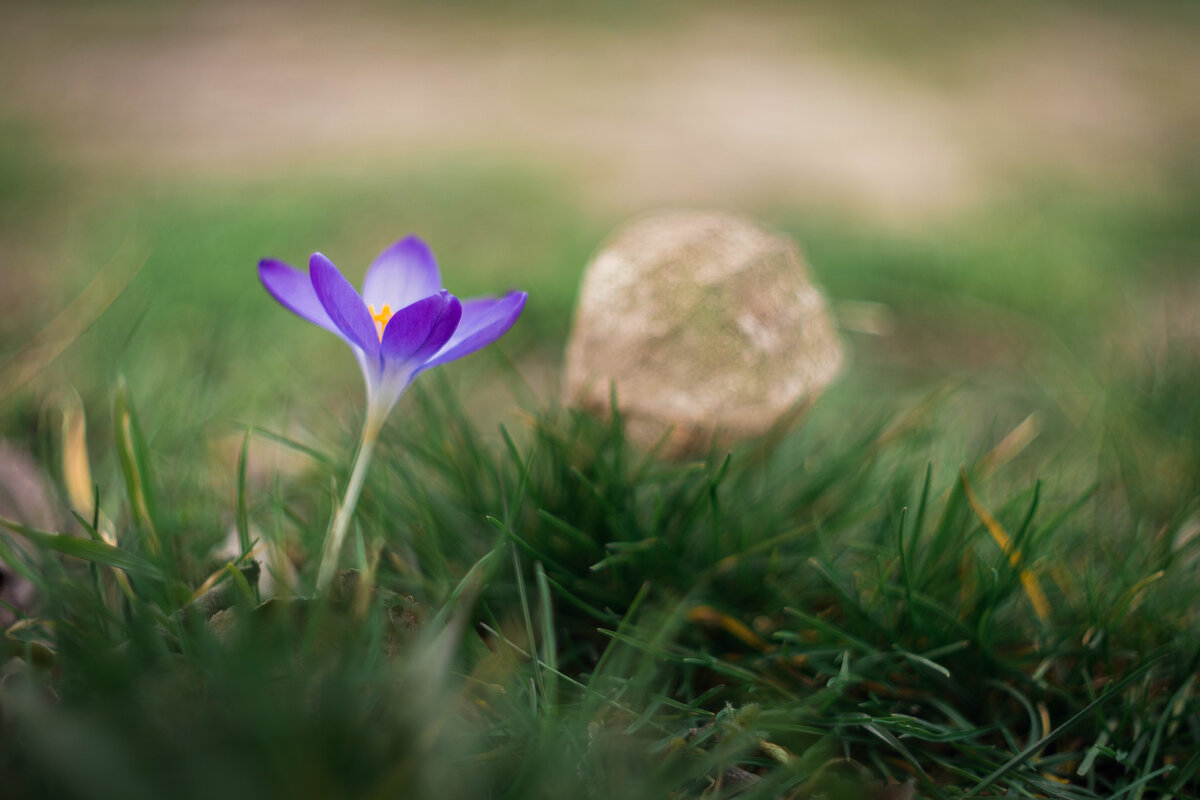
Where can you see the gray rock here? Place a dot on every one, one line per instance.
(707, 324)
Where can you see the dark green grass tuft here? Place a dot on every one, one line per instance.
(558, 614)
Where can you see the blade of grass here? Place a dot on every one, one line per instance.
(1029, 581)
(292, 444)
(549, 647)
(243, 513)
(541, 698)
(86, 549)
(88, 306)
(1050, 736)
(132, 454)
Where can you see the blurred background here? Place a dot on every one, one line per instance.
(1002, 202)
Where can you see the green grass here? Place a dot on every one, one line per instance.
(778, 612)
(558, 614)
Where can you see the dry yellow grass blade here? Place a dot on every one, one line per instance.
(1007, 449)
(1011, 445)
(76, 463)
(1029, 581)
(707, 615)
(76, 466)
(73, 320)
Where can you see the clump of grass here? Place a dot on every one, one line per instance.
(558, 614)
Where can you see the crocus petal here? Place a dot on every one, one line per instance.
(484, 320)
(443, 329)
(402, 274)
(345, 307)
(294, 291)
(409, 327)
(399, 370)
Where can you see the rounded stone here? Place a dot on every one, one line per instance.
(708, 327)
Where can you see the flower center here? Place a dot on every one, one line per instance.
(381, 319)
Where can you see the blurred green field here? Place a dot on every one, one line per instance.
(1044, 301)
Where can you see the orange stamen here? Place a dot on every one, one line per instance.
(381, 319)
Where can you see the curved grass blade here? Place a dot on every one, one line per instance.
(86, 549)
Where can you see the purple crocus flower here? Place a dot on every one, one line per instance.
(403, 323)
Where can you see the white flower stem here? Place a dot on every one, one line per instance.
(336, 535)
